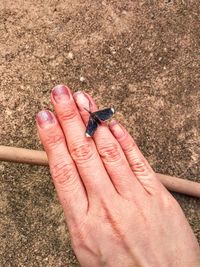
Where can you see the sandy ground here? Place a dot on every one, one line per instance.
(139, 56)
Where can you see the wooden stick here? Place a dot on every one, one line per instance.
(180, 185)
(23, 155)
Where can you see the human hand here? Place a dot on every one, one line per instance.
(117, 211)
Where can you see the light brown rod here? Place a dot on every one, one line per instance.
(36, 157)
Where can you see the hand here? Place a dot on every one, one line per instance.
(117, 211)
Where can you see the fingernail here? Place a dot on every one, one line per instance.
(61, 93)
(45, 118)
(82, 100)
(116, 129)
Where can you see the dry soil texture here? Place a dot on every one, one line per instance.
(143, 57)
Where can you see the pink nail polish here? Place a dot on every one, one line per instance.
(116, 129)
(112, 123)
(61, 93)
(45, 118)
(82, 100)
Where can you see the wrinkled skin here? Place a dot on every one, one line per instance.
(117, 211)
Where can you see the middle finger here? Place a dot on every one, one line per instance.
(82, 149)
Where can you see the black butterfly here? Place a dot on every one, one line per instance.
(96, 118)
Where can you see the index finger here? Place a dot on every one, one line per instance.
(66, 179)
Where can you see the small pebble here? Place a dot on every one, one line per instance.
(82, 79)
(70, 55)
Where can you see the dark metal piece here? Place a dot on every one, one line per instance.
(96, 118)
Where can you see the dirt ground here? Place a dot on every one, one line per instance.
(142, 57)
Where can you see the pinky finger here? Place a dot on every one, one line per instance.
(139, 165)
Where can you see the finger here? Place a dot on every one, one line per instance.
(66, 179)
(110, 151)
(82, 150)
(137, 161)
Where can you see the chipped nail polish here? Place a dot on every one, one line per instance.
(61, 93)
(45, 118)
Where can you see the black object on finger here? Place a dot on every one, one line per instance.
(96, 118)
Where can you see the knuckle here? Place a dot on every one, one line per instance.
(130, 146)
(81, 153)
(53, 140)
(113, 218)
(67, 113)
(110, 152)
(136, 161)
(63, 174)
(168, 203)
(138, 166)
(80, 232)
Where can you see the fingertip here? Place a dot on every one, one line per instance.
(112, 123)
(82, 101)
(45, 119)
(61, 94)
(117, 130)
(93, 106)
(60, 89)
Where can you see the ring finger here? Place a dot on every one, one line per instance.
(111, 153)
